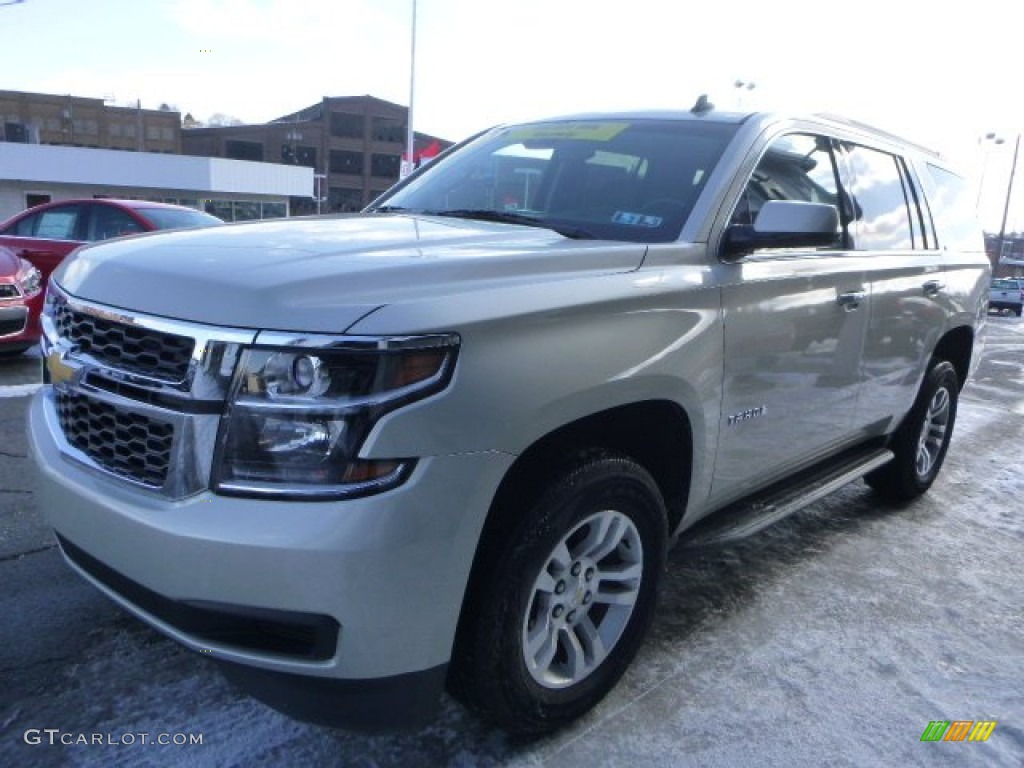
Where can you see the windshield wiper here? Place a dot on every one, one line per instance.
(510, 217)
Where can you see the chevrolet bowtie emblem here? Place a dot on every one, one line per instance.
(59, 371)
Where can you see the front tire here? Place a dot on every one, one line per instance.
(921, 442)
(569, 597)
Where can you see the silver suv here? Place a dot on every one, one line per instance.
(448, 441)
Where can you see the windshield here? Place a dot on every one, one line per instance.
(171, 218)
(631, 180)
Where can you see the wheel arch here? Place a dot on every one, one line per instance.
(957, 346)
(657, 434)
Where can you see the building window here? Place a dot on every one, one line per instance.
(15, 132)
(293, 155)
(153, 132)
(220, 208)
(243, 150)
(389, 129)
(343, 161)
(246, 210)
(346, 126)
(167, 134)
(342, 199)
(300, 206)
(114, 129)
(385, 165)
(274, 210)
(85, 127)
(307, 156)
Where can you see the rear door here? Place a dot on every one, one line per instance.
(906, 281)
(794, 325)
(45, 237)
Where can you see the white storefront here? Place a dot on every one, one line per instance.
(231, 189)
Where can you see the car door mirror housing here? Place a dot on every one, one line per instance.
(783, 224)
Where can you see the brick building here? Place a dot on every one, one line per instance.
(354, 145)
(42, 118)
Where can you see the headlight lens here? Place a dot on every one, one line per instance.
(30, 279)
(300, 414)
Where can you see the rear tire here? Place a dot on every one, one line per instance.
(566, 600)
(922, 439)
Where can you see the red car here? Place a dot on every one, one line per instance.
(47, 233)
(21, 301)
(34, 242)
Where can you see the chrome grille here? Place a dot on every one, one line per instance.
(135, 396)
(130, 348)
(128, 444)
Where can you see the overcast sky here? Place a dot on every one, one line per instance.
(942, 74)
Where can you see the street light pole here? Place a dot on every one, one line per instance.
(1009, 194)
(988, 139)
(408, 165)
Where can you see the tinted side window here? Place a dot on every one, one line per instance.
(59, 223)
(951, 208)
(26, 227)
(108, 222)
(881, 212)
(797, 167)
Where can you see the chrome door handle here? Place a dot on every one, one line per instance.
(933, 288)
(851, 300)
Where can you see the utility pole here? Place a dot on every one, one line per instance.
(1009, 194)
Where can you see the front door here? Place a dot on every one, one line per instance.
(794, 329)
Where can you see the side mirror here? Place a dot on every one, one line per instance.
(783, 224)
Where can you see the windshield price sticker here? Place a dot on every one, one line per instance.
(585, 131)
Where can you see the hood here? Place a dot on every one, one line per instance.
(324, 274)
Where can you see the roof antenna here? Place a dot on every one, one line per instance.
(702, 105)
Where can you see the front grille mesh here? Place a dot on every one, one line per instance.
(13, 322)
(162, 356)
(128, 444)
(9, 291)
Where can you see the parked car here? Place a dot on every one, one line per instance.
(449, 441)
(1007, 294)
(21, 301)
(46, 233)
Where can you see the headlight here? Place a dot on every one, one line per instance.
(30, 279)
(301, 410)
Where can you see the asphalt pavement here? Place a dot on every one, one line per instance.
(833, 638)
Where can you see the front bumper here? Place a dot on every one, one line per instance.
(19, 322)
(389, 570)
